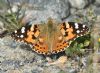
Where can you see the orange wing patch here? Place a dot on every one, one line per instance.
(60, 47)
(70, 34)
(29, 38)
(41, 48)
(32, 34)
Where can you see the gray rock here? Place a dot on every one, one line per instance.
(73, 71)
(79, 4)
(97, 10)
(44, 9)
(97, 2)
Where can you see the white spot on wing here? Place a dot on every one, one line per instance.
(78, 31)
(83, 26)
(21, 36)
(15, 31)
(81, 35)
(76, 25)
(23, 30)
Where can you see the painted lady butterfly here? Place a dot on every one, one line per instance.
(50, 38)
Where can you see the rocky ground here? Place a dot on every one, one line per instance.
(16, 57)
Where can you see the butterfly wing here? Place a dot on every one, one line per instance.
(69, 31)
(30, 35)
(26, 33)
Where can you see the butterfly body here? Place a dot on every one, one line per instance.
(50, 38)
